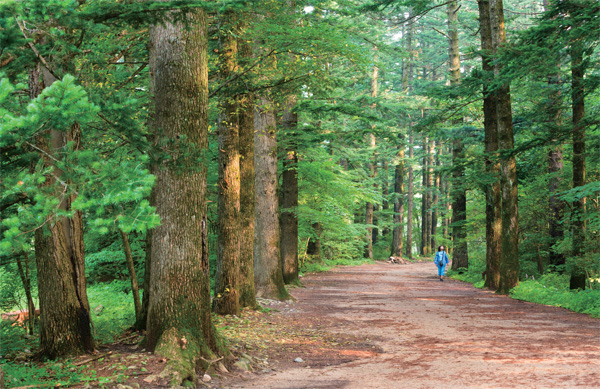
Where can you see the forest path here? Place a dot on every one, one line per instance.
(432, 334)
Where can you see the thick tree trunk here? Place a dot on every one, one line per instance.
(397, 243)
(492, 193)
(226, 295)
(460, 254)
(179, 323)
(135, 290)
(410, 196)
(268, 277)
(578, 207)
(289, 200)
(509, 258)
(246, 147)
(65, 320)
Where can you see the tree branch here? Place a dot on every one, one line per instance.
(35, 50)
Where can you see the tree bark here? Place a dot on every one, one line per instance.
(179, 323)
(492, 192)
(578, 207)
(426, 201)
(226, 294)
(289, 200)
(385, 205)
(314, 243)
(397, 243)
(65, 320)
(369, 207)
(555, 165)
(268, 277)
(246, 147)
(430, 196)
(26, 280)
(135, 290)
(509, 258)
(410, 196)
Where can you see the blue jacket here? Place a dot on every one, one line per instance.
(441, 258)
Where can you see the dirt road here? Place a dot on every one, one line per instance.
(418, 332)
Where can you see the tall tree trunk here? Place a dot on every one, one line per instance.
(425, 201)
(430, 196)
(246, 122)
(509, 258)
(268, 277)
(493, 195)
(397, 243)
(65, 320)
(135, 290)
(26, 280)
(314, 243)
(179, 323)
(226, 295)
(460, 252)
(369, 208)
(410, 196)
(289, 199)
(142, 319)
(385, 205)
(578, 207)
(555, 165)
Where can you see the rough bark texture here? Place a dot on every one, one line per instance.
(65, 320)
(289, 200)
(578, 207)
(179, 323)
(493, 196)
(246, 147)
(142, 318)
(410, 197)
(268, 277)
(509, 257)
(460, 254)
(397, 242)
(135, 290)
(226, 296)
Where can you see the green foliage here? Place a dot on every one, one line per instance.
(112, 309)
(49, 375)
(553, 289)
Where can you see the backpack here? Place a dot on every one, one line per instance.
(441, 261)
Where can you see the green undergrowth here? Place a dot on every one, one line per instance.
(112, 309)
(112, 313)
(548, 289)
(319, 266)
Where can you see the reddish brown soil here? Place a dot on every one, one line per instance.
(398, 326)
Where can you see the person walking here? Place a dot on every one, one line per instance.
(441, 260)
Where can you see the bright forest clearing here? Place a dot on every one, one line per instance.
(166, 164)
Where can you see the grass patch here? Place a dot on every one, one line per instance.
(548, 289)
